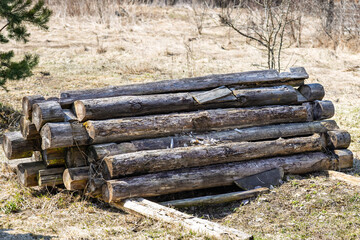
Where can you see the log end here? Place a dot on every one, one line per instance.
(338, 139)
(27, 103)
(71, 181)
(45, 134)
(312, 92)
(345, 157)
(107, 192)
(323, 110)
(80, 110)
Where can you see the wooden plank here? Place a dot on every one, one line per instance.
(209, 96)
(216, 199)
(161, 213)
(352, 180)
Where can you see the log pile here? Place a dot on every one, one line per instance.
(171, 136)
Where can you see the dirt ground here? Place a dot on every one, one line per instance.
(155, 43)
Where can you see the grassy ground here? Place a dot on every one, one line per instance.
(154, 43)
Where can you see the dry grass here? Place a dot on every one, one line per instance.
(154, 43)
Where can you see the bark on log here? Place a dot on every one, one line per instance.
(246, 79)
(51, 177)
(76, 157)
(48, 111)
(215, 199)
(15, 146)
(323, 110)
(27, 103)
(76, 178)
(28, 173)
(169, 159)
(312, 92)
(346, 156)
(28, 129)
(131, 128)
(99, 151)
(56, 135)
(153, 210)
(54, 157)
(338, 139)
(125, 106)
(212, 176)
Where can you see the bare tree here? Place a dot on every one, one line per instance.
(264, 23)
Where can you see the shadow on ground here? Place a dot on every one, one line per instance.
(9, 234)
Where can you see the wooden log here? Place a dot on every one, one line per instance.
(28, 129)
(124, 106)
(54, 157)
(339, 176)
(12, 164)
(212, 95)
(156, 211)
(246, 79)
(99, 151)
(267, 179)
(300, 97)
(169, 159)
(27, 103)
(131, 128)
(76, 178)
(69, 116)
(48, 111)
(212, 176)
(56, 135)
(216, 199)
(51, 177)
(338, 139)
(15, 146)
(346, 158)
(76, 157)
(94, 188)
(28, 173)
(323, 110)
(312, 92)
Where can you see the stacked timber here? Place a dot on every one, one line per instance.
(171, 136)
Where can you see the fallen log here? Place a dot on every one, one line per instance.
(213, 176)
(28, 173)
(172, 216)
(15, 146)
(51, 177)
(169, 159)
(76, 157)
(245, 79)
(54, 157)
(216, 199)
(76, 178)
(47, 111)
(27, 103)
(28, 129)
(132, 128)
(125, 106)
(312, 92)
(99, 151)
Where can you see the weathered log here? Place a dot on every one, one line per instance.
(28, 173)
(323, 110)
(69, 116)
(99, 151)
(169, 159)
(51, 177)
(28, 129)
(338, 139)
(76, 157)
(312, 92)
(346, 158)
(124, 106)
(27, 103)
(339, 176)
(216, 199)
(213, 95)
(94, 188)
(131, 128)
(76, 178)
(56, 135)
(212, 176)
(48, 111)
(300, 97)
(246, 79)
(54, 157)
(156, 211)
(15, 146)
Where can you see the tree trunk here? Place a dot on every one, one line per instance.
(131, 128)
(212, 176)
(169, 159)
(124, 106)
(28, 129)
(15, 146)
(99, 151)
(27, 103)
(28, 173)
(51, 177)
(246, 79)
(76, 178)
(48, 111)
